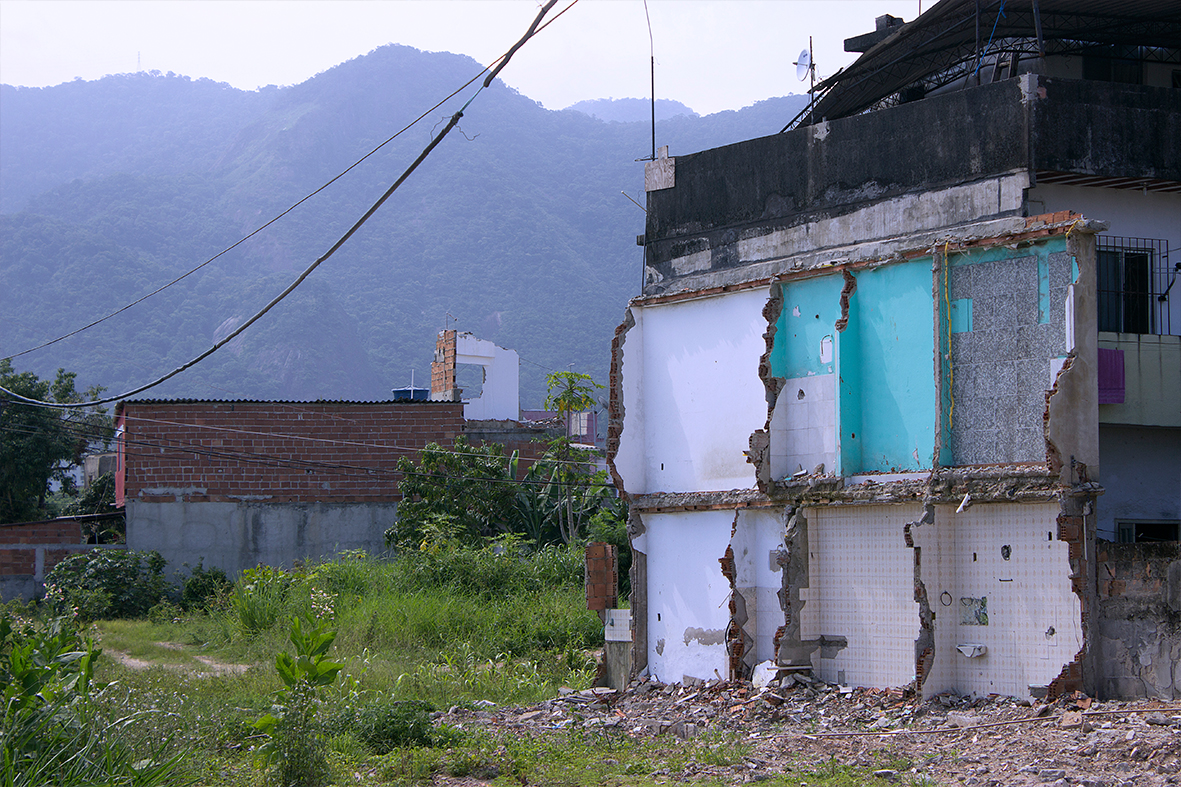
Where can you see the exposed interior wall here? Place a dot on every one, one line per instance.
(687, 594)
(757, 549)
(1141, 476)
(237, 536)
(998, 575)
(1139, 629)
(860, 614)
(625, 433)
(702, 396)
(1008, 341)
(856, 354)
(499, 397)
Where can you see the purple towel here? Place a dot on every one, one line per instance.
(1111, 376)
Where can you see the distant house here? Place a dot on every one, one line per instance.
(245, 482)
(898, 373)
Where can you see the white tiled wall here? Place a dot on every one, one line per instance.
(1034, 625)
(861, 587)
(803, 426)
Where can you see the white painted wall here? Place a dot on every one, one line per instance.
(630, 462)
(1131, 214)
(500, 395)
(688, 598)
(698, 397)
(757, 542)
(1034, 617)
(861, 587)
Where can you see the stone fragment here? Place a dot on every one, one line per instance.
(1071, 719)
(961, 720)
(1159, 719)
(887, 774)
(1051, 774)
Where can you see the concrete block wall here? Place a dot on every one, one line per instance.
(275, 452)
(29, 550)
(1139, 626)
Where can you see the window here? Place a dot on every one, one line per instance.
(1133, 285)
(1136, 532)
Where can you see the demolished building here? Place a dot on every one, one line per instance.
(857, 410)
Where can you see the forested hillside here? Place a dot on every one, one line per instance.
(516, 228)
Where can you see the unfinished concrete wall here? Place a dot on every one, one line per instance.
(236, 536)
(29, 550)
(1139, 621)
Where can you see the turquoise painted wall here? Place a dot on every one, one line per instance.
(810, 309)
(898, 396)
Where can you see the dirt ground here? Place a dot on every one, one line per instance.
(950, 740)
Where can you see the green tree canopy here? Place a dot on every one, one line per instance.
(40, 444)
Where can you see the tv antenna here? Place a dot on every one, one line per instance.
(806, 69)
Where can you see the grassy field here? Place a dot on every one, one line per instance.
(183, 689)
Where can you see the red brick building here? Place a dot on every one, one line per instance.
(243, 482)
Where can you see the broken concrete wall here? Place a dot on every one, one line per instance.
(1139, 620)
(695, 397)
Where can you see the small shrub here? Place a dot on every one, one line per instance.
(389, 724)
(260, 597)
(107, 583)
(204, 587)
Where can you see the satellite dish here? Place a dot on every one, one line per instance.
(803, 65)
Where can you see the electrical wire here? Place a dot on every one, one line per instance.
(502, 60)
(340, 242)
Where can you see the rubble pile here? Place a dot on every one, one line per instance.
(797, 721)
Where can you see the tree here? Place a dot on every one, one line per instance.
(463, 493)
(41, 444)
(572, 392)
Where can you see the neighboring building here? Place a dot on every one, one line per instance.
(860, 411)
(240, 483)
(30, 550)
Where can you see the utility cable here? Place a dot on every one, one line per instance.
(308, 271)
(499, 63)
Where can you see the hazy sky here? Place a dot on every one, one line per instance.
(710, 54)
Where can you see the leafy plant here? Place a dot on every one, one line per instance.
(107, 583)
(294, 738)
(52, 733)
(260, 597)
(204, 587)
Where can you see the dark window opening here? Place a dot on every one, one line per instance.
(1123, 64)
(1133, 286)
(1148, 532)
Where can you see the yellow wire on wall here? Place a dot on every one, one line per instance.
(947, 317)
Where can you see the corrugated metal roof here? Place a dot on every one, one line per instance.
(947, 34)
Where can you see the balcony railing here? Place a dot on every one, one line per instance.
(1135, 285)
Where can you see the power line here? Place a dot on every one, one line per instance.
(340, 242)
(499, 63)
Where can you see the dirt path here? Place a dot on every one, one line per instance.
(210, 666)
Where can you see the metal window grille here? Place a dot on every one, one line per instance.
(1135, 279)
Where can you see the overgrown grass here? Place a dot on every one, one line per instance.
(444, 628)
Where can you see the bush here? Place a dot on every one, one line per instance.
(260, 597)
(500, 569)
(107, 583)
(204, 587)
(387, 724)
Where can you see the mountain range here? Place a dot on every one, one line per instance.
(514, 228)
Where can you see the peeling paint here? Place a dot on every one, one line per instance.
(704, 636)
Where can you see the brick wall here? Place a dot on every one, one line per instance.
(275, 452)
(32, 549)
(443, 367)
(602, 578)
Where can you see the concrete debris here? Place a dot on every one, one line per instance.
(796, 719)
